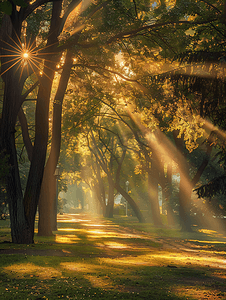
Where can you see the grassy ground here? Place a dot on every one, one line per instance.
(93, 258)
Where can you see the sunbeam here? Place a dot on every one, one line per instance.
(165, 152)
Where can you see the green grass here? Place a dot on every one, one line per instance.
(113, 259)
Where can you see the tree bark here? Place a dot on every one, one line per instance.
(132, 203)
(153, 192)
(186, 185)
(35, 176)
(23, 209)
(185, 188)
(25, 133)
(110, 204)
(47, 213)
(170, 214)
(20, 227)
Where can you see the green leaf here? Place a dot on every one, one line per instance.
(6, 7)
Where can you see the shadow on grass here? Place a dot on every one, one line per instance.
(99, 259)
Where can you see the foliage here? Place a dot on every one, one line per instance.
(6, 6)
(121, 54)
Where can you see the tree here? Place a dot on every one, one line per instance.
(202, 82)
(23, 209)
(106, 28)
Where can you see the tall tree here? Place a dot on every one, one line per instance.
(95, 35)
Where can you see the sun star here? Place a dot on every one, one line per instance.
(25, 55)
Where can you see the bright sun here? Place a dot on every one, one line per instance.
(25, 55)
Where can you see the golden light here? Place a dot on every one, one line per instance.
(30, 269)
(25, 55)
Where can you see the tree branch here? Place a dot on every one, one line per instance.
(70, 8)
(30, 8)
(24, 96)
(211, 5)
(132, 33)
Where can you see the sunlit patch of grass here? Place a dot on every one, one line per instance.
(98, 225)
(30, 269)
(168, 259)
(219, 274)
(198, 293)
(208, 242)
(128, 261)
(113, 262)
(97, 282)
(68, 239)
(212, 233)
(116, 245)
(78, 267)
(68, 229)
(71, 218)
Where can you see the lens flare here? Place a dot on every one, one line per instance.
(25, 55)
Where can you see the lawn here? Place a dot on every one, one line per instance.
(94, 258)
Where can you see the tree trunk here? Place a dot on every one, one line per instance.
(153, 192)
(47, 213)
(185, 188)
(131, 202)
(100, 189)
(170, 214)
(186, 185)
(98, 198)
(26, 138)
(21, 231)
(110, 204)
(23, 210)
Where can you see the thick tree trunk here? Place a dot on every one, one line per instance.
(40, 145)
(109, 211)
(97, 195)
(23, 210)
(21, 231)
(46, 203)
(47, 199)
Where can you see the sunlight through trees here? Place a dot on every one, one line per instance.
(113, 91)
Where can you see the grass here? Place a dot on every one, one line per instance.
(95, 258)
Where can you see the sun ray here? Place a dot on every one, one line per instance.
(35, 64)
(26, 54)
(19, 45)
(164, 148)
(9, 61)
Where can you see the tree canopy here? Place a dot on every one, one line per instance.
(133, 78)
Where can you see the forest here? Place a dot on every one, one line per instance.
(127, 97)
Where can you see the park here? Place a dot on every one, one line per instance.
(112, 149)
